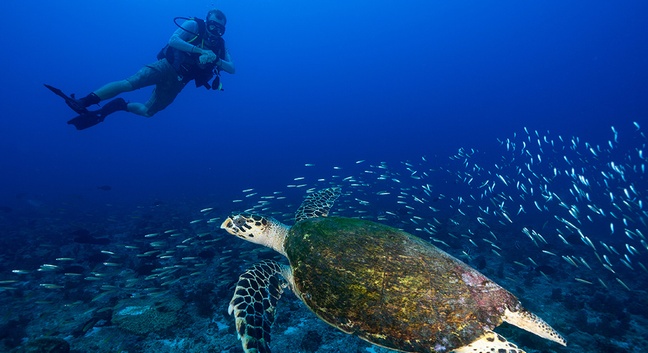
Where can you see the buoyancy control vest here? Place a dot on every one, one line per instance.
(187, 64)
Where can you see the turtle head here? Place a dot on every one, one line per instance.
(257, 229)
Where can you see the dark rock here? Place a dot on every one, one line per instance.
(45, 345)
(12, 332)
(311, 341)
(206, 254)
(580, 320)
(547, 270)
(574, 302)
(606, 303)
(480, 263)
(638, 305)
(83, 236)
(614, 325)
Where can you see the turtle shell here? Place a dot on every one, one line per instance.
(391, 288)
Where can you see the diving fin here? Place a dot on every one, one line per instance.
(93, 117)
(84, 121)
(71, 101)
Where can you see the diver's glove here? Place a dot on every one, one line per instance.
(207, 57)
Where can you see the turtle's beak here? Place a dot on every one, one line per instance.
(229, 225)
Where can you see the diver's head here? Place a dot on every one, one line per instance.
(216, 22)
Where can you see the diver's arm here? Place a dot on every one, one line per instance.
(179, 39)
(226, 64)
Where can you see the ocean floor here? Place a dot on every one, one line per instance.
(158, 277)
(113, 305)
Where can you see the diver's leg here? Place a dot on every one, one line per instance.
(106, 91)
(112, 89)
(148, 109)
(161, 74)
(146, 76)
(138, 108)
(163, 95)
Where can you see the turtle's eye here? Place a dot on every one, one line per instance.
(238, 221)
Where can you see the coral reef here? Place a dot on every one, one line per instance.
(143, 316)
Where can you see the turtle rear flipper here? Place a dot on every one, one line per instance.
(529, 321)
(317, 204)
(489, 342)
(254, 301)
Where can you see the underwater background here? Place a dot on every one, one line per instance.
(509, 134)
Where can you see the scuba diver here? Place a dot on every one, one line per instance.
(196, 51)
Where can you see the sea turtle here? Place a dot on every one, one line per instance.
(374, 281)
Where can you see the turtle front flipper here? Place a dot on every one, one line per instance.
(489, 342)
(254, 301)
(317, 204)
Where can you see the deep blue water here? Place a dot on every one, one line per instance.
(334, 83)
(317, 81)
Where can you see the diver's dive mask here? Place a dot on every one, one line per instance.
(215, 28)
